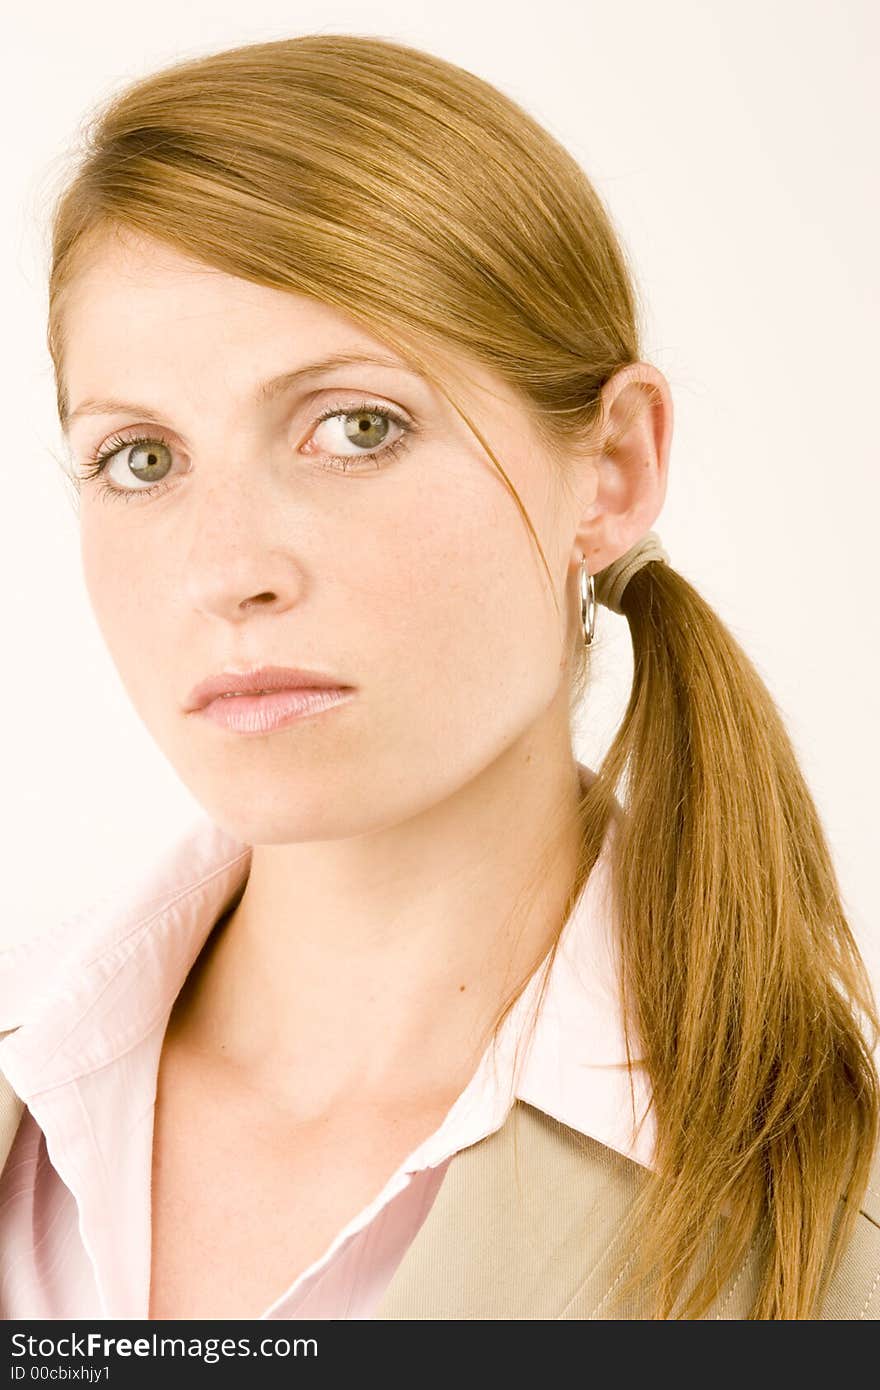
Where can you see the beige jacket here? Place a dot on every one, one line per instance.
(524, 1224)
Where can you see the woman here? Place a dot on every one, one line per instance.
(422, 1021)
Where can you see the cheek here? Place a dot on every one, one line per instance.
(461, 607)
(120, 581)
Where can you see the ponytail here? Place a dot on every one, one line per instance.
(738, 968)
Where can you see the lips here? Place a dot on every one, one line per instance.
(259, 680)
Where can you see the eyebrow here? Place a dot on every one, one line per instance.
(265, 392)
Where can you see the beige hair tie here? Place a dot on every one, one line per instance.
(611, 582)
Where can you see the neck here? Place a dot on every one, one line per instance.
(376, 964)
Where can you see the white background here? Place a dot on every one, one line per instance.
(736, 146)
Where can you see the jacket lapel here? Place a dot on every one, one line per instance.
(526, 1225)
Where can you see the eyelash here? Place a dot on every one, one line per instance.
(341, 463)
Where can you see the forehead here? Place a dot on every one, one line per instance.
(131, 295)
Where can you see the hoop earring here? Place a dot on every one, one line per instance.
(588, 603)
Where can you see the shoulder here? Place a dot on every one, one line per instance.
(583, 1176)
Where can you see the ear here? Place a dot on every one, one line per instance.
(626, 481)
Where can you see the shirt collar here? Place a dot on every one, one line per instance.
(83, 994)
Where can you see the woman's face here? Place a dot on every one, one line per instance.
(411, 577)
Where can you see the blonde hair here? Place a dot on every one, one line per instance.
(430, 207)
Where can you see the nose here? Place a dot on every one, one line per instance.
(241, 543)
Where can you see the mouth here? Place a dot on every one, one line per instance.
(262, 712)
(259, 682)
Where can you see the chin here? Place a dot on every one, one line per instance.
(297, 822)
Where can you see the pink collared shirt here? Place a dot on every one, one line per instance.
(90, 1002)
